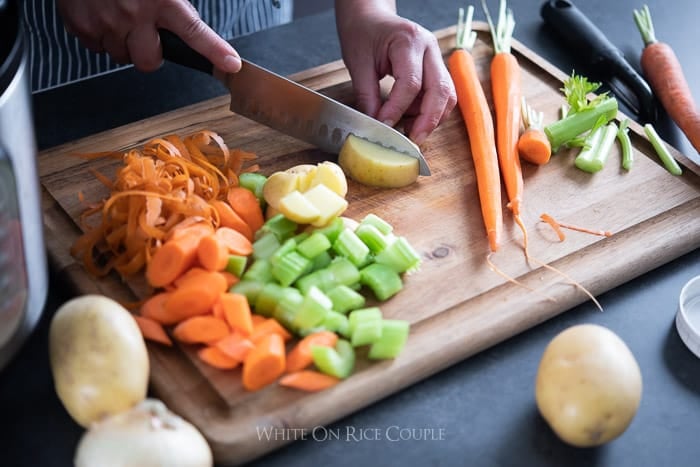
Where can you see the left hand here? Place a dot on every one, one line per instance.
(376, 42)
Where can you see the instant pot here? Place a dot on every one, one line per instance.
(23, 267)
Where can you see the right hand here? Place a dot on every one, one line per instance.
(128, 30)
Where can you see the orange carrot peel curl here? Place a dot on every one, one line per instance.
(557, 226)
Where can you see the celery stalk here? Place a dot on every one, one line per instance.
(337, 361)
(265, 245)
(314, 245)
(577, 123)
(666, 158)
(267, 299)
(380, 224)
(236, 264)
(592, 159)
(279, 226)
(249, 288)
(349, 245)
(345, 299)
(400, 256)
(289, 267)
(260, 271)
(254, 182)
(287, 307)
(392, 340)
(344, 272)
(382, 280)
(625, 145)
(372, 237)
(313, 309)
(370, 314)
(336, 322)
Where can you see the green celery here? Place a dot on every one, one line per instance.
(321, 261)
(345, 299)
(392, 341)
(288, 245)
(314, 245)
(577, 123)
(592, 159)
(289, 267)
(625, 144)
(260, 271)
(362, 315)
(666, 158)
(267, 299)
(349, 245)
(313, 309)
(366, 332)
(236, 264)
(265, 245)
(278, 225)
(336, 322)
(380, 224)
(381, 279)
(344, 272)
(249, 288)
(333, 229)
(372, 237)
(400, 256)
(321, 278)
(338, 361)
(286, 309)
(254, 182)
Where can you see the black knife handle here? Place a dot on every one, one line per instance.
(595, 51)
(177, 51)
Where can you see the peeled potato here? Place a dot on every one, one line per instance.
(98, 358)
(588, 385)
(332, 176)
(371, 164)
(302, 178)
(278, 185)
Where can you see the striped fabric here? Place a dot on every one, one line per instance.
(58, 58)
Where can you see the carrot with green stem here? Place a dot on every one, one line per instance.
(479, 123)
(533, 144)
(662, 69)
(507, 95)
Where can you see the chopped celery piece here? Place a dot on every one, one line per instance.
(577, 123)
(280, 226)
(349, 245)
(322, 278)
(380, 224)
(236, 264)
(314, 245)
(312, 310)
(321, 261)
(265, 246)
(249, 288)
(288, 245)
(267, 299)
(260, 270)
(372, 237)
(336, 322)
(370, 314)
(333, 229)
(400, 256)
(592, 158)
(625, 144)
(254, 182)
(337, 361)
(366, 332)
(301, 236)
(666, 158)
(344, 272)
(290, 299)
(381, 279)
(289, 267)
(345, 299)
(392, 341)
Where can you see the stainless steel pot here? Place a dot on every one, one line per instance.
(23, 267)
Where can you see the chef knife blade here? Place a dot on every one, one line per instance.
(293, 109)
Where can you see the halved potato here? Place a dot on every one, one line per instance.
(296, 207)
(372, 164)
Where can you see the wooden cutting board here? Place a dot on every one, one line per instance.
(457, 305)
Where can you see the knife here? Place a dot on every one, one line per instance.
(601, 56)
(293, 109)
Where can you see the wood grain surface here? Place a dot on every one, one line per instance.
(456, 304)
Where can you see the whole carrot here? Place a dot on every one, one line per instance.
(477, 118)
(507, 95)
(665, 75)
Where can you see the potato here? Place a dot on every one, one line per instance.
(302, 178)
(98, 358)
(588, 385)
(374, 165)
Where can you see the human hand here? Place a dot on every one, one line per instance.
(376, 42)
(128, 30)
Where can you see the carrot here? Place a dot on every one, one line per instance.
(154, 308)
(216, 358)
(555, 225)
(229, 218)
(237, 243)
(551, 221)
(269, 326)
(246, 205)
(235, 345)
(172, 259)
(152, 330)
(186, 302)
(212, 253)
(477, 118)
(200, 278)
(299, 357)
(231, 279)
(663, 70)
(201, 330)
(236, 312)
(308, 380)
(167, 182)
(533, 144)
(264, 363)
(257, 319)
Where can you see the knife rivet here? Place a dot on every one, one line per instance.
(323, 131)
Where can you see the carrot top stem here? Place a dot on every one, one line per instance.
(466, 37)
(645, 25)
(531, 117)
(502, 34)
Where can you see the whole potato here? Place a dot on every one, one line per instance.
(98, 358)
(588, 385)
(374, 165)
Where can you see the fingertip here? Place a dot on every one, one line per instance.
(231, 64)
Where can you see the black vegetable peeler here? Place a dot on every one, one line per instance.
(601, 57)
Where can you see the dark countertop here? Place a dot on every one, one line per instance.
(481, 410)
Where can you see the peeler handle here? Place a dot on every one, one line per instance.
(598, 53)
